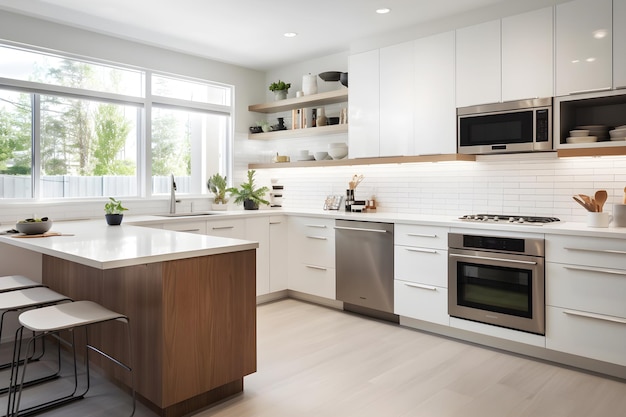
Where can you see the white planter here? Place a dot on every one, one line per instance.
(219, 207)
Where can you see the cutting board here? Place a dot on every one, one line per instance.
(47, 234)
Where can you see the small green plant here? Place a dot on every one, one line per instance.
(114, 207)
(248, 194)
(280, 85)
(217, 185)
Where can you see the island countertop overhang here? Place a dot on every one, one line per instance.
(95, 244)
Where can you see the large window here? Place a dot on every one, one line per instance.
(76, 129)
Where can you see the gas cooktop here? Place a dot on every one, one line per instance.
(508, 219)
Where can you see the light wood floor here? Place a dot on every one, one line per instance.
(316, 361)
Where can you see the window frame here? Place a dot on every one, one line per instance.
(144, 122)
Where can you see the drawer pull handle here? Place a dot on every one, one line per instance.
(319, 268)
(591, 90)
(420, 286)
(595, 316)
(611, 251)
(421, 250)
(189, 230)
(419, 235)
(275, 222)
(222, 227)
(589, 269)
(318, 226)
(317, 237)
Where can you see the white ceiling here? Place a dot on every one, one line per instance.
(246, 32)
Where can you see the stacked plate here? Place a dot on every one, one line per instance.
(599, 131)
(619, 133)
(580, 135)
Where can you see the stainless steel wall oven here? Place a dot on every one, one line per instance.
(497, 280)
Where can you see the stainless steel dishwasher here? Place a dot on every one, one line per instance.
(364, 267)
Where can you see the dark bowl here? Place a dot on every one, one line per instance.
(333, 120)
(343, 79)
(330, 75)
(33, 228)
(256, 129)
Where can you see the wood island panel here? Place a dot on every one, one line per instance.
(193, 324)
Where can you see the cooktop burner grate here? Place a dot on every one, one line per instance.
(503, 218)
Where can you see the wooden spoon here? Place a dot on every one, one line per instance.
(579, 201)
(600, 197)
(589, 203)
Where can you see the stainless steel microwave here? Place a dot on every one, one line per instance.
(515, 126)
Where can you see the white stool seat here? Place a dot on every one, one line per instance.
(65, 316)
(29, 297)
(16, 282)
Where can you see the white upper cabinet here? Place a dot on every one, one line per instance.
(478, 71)
(619, 43)
(396, 100)
(435, 108)
(363, 105)
(528, 55)
(583, 46)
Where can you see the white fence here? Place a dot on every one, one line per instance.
(68, 186)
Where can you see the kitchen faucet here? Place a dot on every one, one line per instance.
(173, 200)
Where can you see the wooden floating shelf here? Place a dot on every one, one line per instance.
(614, 148)
(368, 161)
(296, 133)
(313, 100)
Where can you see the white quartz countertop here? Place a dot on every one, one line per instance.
(557, 228)
(95, 244)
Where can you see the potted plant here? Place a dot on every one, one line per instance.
(247, 194)
(217, 185)
(280, 89)
(114, 212)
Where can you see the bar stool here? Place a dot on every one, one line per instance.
(25, 299)
(17, 282)
(51, 320)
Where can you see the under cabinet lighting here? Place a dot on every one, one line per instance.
(383, 10)
(290, 34)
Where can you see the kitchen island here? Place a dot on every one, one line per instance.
(190, 299)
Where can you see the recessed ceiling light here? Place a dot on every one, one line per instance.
(383, 10)
(290, 34)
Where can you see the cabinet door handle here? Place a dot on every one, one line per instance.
(592, 90)
(421, 250)
(317, 237)
(318, 226)
(275, 222)
(420, 286)
(189, 230)
(222, 227)
(592, 269)
(319, 268)
(595, 316)
(611, 251)
(420, 235)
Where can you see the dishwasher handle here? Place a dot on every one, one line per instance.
(360, 229)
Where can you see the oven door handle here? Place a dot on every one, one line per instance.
(360, 229)
(487, 258)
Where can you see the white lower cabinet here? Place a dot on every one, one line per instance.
(421, 273)
(585, 293)
(233, 228)
(279, 247)
(312, 256)
(258, 229)
(421, 301)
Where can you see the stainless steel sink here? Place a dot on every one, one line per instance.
(196, 213)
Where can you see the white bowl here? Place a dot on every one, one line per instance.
(581, 132)
(320, 156)
(338, 153)
(618, 133)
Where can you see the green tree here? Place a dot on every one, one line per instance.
(111, 128)
(15, 133)
(165, 129)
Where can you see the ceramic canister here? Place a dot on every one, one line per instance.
(309, 84)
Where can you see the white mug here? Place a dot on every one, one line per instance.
(598, 219)
(619, 215)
